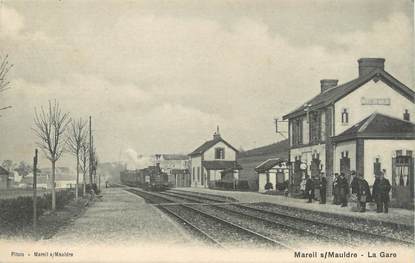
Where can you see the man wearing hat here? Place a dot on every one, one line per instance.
(381, 189)
(323, 188)
(343, 189)
(336, 198)
(363, 192)
(309, 188)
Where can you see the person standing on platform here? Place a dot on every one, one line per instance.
(336, 191)
(343, 190)
(309, 189)
(323, 188)
(381, 189)
(363, 193)
(302, 188)
(355, 188)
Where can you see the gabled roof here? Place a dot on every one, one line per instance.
(3, 171)
(379, 126)
(209, 144)
(268, 165)
(221, 165)
(334, 94)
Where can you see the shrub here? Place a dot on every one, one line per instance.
(19, 211)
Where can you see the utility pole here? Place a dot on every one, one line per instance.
(34, 192)
(90, 152)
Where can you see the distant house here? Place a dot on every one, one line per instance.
(250, 159)
(213, 161)
(4, 178)
(27, 182)
(64, 178)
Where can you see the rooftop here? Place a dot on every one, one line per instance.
(268, 164)
(334, 94)
(221, 165)
(379, 126)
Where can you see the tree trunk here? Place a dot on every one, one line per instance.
(77, 176)
(83, 184)
(90, 177)
(53, 187)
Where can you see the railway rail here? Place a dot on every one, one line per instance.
(232, 232)
(302, 223)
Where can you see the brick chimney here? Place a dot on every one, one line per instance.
(216, 135)
(327, 84)
(367, 65)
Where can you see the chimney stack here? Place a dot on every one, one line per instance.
(216, 135)
(367, 65)
(327, 84)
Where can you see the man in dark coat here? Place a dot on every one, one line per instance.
(336, 198)
(309, 189)
(343, 190)
(323, 188)
(381, 189)
(363, 192)
(354, 184)
(355, 188)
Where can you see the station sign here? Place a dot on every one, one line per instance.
(375, 101)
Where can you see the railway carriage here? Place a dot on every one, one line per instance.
(150, 178)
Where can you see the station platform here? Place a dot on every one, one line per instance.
(122, 218)
(395, 215)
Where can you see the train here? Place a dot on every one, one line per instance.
(151, 178)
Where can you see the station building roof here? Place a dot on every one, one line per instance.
(208, 144)
(334, 94)
(268, 165)
(378, 126)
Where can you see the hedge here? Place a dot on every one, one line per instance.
(19, 211)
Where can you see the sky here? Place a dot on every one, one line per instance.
(159, 76)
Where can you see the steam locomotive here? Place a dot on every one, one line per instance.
(150, 178)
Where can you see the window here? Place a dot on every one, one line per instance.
(305, 131)
(314, 127)
(406, 115)
(345, 116)
(220, 153)
(297, 131)
(402, 168)
(323, 126)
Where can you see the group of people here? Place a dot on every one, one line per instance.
(360, 190)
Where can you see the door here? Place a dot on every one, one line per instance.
(345, 166)
(403, 180)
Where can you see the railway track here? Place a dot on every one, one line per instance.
(215, 230)
(346, 234)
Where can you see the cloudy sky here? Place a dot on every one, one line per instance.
(158, 76)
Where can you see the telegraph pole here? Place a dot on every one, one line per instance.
(90, 152)
(34, 192)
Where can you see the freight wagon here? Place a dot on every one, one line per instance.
(150, 178)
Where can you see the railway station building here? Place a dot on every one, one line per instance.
(214, 163)
(364, 125)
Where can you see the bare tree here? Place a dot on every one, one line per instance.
(84, 158)
(50, 126)
(76, 136)
(5, 67)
